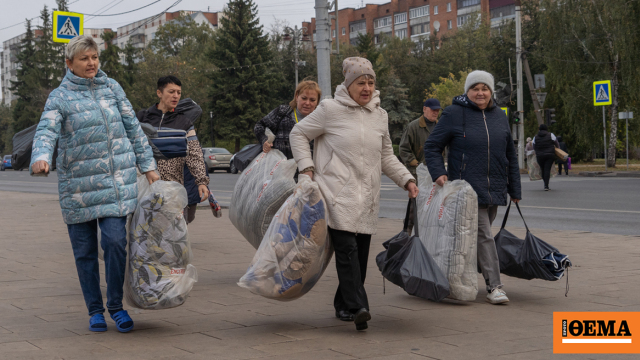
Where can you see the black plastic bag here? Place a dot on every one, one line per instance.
(22, 147)
(190, 109)
(529, 258)
(406, 263)
(242, 159)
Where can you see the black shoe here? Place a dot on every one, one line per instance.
(361, 318)
(362, 326)
(344, 315)
(546, 188)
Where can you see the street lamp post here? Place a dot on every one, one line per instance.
(213, 134)
(297, 34)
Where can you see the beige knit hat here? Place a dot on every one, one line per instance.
(354, 67)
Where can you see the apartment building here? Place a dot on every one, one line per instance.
(141, 32)
(414, 19)
(9, 60)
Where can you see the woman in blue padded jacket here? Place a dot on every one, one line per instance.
(100, 145)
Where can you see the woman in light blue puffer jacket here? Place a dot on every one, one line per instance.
(100, 145)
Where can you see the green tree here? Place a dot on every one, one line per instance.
(366, 47)
(394, 101)
(241, 90)
(46, 56)
(6, 130)
(31, 99)
(583, 41)
(110, 57)
(448, 88)
(129, 67)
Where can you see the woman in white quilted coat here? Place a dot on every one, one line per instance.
(352, 149)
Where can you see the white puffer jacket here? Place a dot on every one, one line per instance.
(352, 148)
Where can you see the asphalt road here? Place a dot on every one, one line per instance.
(602, 205)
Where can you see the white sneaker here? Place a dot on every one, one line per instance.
(497, 296)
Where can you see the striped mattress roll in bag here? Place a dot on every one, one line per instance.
(159, 274)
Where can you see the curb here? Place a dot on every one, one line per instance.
(627, 174)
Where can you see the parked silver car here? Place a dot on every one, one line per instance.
(217, 159)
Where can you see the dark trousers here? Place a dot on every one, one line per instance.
(352, 253)
(566, 168)
(546, 163)
(190, 213)
(84, 242)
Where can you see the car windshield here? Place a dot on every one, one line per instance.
(247, 146)
(218, 151)
(7, 157)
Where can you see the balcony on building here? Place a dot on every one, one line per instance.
(419, 21)
(383, 25)
(356, 28)
(502, 14)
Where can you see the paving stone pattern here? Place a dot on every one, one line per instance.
(43, 316)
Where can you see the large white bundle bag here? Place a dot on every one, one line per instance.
(159, 270)
(448, 224)
(535, 173)
(260, 191)
(296, 249)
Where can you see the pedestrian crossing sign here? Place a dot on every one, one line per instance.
(506, 111)
(602, 93)
(67, 25)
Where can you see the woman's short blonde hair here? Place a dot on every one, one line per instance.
(302, 87)
(80, 44)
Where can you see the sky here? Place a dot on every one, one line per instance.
(292, 11)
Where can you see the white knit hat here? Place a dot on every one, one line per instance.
(477, 77)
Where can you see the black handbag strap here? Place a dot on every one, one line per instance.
(506, 216)
(412, 202)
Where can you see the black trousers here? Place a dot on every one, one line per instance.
(566, 167)
(546, 163)
(352, 254)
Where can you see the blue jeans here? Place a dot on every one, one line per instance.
(84, 241)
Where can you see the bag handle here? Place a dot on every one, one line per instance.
(412, 202)
(406, 217)
(506, 216)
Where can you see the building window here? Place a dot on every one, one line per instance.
(503, 11)
(400, 18)
(435, 10)
(448, 7)
(419, 12)
(420, 29)
(402, 33)
(344, 31)
(463, 19)
(382, 22)
(359, 26)
(449, 25)
(467, 3)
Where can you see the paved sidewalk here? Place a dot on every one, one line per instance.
(43, 316)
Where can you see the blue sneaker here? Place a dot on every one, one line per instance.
(124, 323)
(97, 323)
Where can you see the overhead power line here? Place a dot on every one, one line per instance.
(126, 12)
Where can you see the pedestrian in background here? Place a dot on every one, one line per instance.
(101, 144)
(545, 144)
(564, 148)
(163, 115)
(412, 143)
(481, 151)
(352, 149)
(283, 118)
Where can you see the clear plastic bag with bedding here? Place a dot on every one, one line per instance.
(260, 191)
(448, 227)
(296, 248)
(159, 270)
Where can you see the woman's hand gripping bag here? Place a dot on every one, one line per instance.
(260, 191)
(448, 227)
(159, 272)
(296, 248)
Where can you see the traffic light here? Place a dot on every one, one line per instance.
(550, 116)
(516, 117)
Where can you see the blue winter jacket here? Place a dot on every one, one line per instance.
(481, 151)
(100, 144)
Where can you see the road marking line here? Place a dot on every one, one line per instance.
(596, 210)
